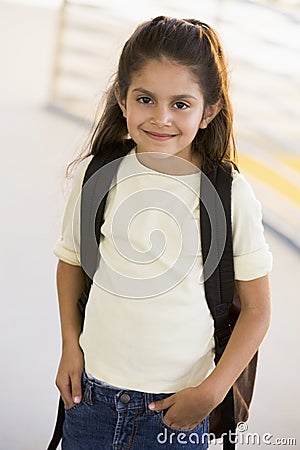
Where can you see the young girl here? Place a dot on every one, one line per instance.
(142, 371)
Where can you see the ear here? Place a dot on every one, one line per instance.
(121, 102)
(210, 113)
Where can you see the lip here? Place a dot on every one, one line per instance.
(159, 136)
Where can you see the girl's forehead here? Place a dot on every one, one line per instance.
(165, 74)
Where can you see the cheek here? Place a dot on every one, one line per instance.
(133, 121)
(135, 118)
(192, 123)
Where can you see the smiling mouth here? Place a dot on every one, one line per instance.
(159, 136)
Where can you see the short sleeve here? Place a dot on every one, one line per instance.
(68, 246)
(252, 258)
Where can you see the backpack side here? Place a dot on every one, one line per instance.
(221, 296)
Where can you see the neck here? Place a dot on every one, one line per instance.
(168, 164)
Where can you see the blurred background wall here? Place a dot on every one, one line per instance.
(55, 65)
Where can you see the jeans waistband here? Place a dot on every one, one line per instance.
(127, 397)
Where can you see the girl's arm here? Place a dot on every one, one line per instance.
(247, 335)
(70, 284)
(190, 406)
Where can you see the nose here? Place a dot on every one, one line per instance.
(161, 117)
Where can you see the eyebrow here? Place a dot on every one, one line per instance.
(174, 97)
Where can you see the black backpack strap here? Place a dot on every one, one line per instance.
(94, 194)
(218, 269)
(57, 434)
(217, 251)
(95, 188)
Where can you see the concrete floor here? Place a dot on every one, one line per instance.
(36, 146)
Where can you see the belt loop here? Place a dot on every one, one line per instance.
(148, 400)
(88, 394)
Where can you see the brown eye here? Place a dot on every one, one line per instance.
(144, 100)
(181, 105)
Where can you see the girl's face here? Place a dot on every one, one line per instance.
(164, 109)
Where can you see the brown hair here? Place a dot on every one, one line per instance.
(193, 44)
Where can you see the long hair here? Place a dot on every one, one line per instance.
(188, 42)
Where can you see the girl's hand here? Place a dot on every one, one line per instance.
(187, 408)
(68, 379)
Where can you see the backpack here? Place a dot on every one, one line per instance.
(218, 271)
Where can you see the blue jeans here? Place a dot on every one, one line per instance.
(119, 419)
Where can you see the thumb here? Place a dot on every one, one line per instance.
(76, 388)
(162, 404)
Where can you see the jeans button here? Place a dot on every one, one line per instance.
(125, 398)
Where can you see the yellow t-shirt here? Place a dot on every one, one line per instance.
(147, 325)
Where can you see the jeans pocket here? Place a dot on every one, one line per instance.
(194, 429)
(73, 408)
(86, 398)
